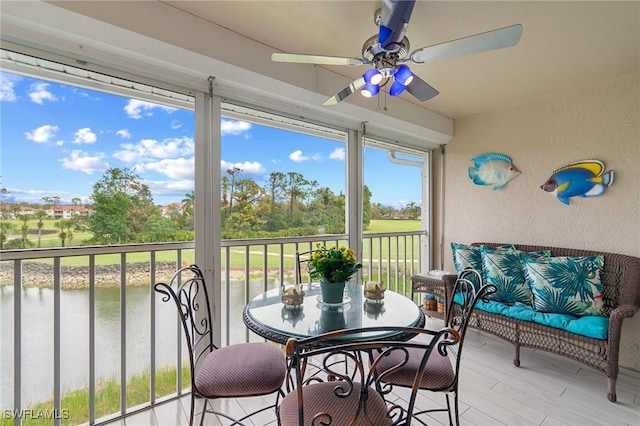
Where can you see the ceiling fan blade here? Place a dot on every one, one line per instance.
(421, 89)
(394, 19)
(350, 89)
(490, 40)
(315, 59)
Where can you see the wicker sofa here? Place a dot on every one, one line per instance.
(621, 297)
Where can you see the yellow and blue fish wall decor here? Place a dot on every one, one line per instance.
(580, 179)
(492, 169)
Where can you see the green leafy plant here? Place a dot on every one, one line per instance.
(334, 264)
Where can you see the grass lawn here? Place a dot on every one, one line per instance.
(237, 256)
(75, 404)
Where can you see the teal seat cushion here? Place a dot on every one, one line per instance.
(596, 327)
(593, 326)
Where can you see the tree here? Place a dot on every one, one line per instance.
(122, 207)
(51, 202)
(63, 235)
(233, 172)
(160, 229)
(188, 206)
(24, 229)
(40, 214)
(366, 207)
(5, 229)
(297, 188)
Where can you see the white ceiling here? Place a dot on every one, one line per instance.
(564, 45)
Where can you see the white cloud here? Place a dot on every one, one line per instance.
(151, 149)
(135, 108)
(233, 127)
(7, 94)
(337, 154)
(84, 135)
(124, 133)
(39, 93)
(298, 157)
(170, 187)
(84, 162)
(247, 167)
(42, 134)
(175, 124)
(174, 168)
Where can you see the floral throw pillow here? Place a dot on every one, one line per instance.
(567, 285)
(505, 269)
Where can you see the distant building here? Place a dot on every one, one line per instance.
(67, 212)
(13, 211)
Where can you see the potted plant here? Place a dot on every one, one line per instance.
(333, 267)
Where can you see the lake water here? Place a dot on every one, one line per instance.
(37, 335)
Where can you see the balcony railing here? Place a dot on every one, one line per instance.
(94, 311)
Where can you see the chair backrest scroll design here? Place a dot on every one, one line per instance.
(464, 297)
(384, 358)
(188, 291)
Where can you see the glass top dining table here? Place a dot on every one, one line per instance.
(268, 317)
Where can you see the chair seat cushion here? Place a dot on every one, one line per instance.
(438, 373)
(241, 370)
(322, 398)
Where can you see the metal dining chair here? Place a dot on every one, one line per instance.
(352, 393)
(302, 262)
(441, 373)
(234, 371)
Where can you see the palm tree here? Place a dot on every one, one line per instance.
(40, 214)
(5, 228)
(234, 171)
(61, 225)
(188, 205)
(24, 228)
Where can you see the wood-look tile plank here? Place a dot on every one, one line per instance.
(548, 390)
(474, 417)
(171, 413)
(143, 418)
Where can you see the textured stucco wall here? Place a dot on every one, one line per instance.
(597, 122)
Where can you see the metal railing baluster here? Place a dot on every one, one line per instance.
(57, 384)
(92, 339)
(123, 333)
(17, 338)
(380, 262)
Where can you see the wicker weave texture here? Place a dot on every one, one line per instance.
(621, 296)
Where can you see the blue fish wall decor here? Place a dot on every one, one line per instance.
(581, 179)
(492, 169)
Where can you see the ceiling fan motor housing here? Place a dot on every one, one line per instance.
(372, 51)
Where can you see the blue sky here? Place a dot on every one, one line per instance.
(57, 140)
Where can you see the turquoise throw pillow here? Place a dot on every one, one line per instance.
(465, 256)
(505, 268)
(567, 285)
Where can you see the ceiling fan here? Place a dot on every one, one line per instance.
(388, 51)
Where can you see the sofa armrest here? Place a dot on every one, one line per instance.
(623, 311)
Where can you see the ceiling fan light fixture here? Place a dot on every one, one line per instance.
(396, 88)
(370, 90)
(403, 75)
(373, 77)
